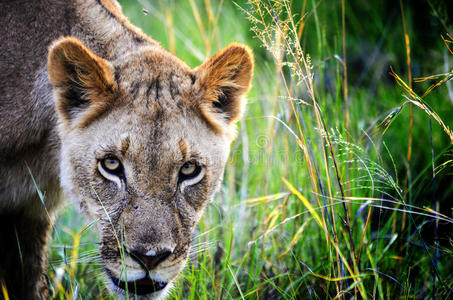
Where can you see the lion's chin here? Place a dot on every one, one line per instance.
(144, 288)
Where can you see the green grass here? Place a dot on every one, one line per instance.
(319, 199)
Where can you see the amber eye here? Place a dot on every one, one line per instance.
(112, 165)
(189, 170)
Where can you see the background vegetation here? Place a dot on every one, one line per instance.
(339, 183)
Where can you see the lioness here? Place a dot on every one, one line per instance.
(131, 133)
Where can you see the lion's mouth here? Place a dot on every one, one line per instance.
(142, 286)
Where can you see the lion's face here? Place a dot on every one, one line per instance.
(147, 181)
(144, 144)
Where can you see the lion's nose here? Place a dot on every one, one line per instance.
(150, 260)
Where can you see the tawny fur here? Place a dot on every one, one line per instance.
(79, 83)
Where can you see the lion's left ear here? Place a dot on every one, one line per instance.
(222, 82)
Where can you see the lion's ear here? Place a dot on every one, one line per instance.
(222, 82)
(84, 83)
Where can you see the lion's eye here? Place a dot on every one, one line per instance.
(190, 173)
(110, 166)
(189, 170)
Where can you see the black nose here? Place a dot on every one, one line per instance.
(149, 262)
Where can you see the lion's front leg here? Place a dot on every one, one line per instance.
(23, 255)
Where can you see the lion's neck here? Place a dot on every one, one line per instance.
(101, 26)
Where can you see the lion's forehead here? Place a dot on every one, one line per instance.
(174, 141)
(158, 90)
(160, 138)
(153, 77)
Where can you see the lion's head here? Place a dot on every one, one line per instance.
(144, 141)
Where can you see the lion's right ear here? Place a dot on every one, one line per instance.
(84, 83)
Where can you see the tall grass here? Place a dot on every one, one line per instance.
(334, 189)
